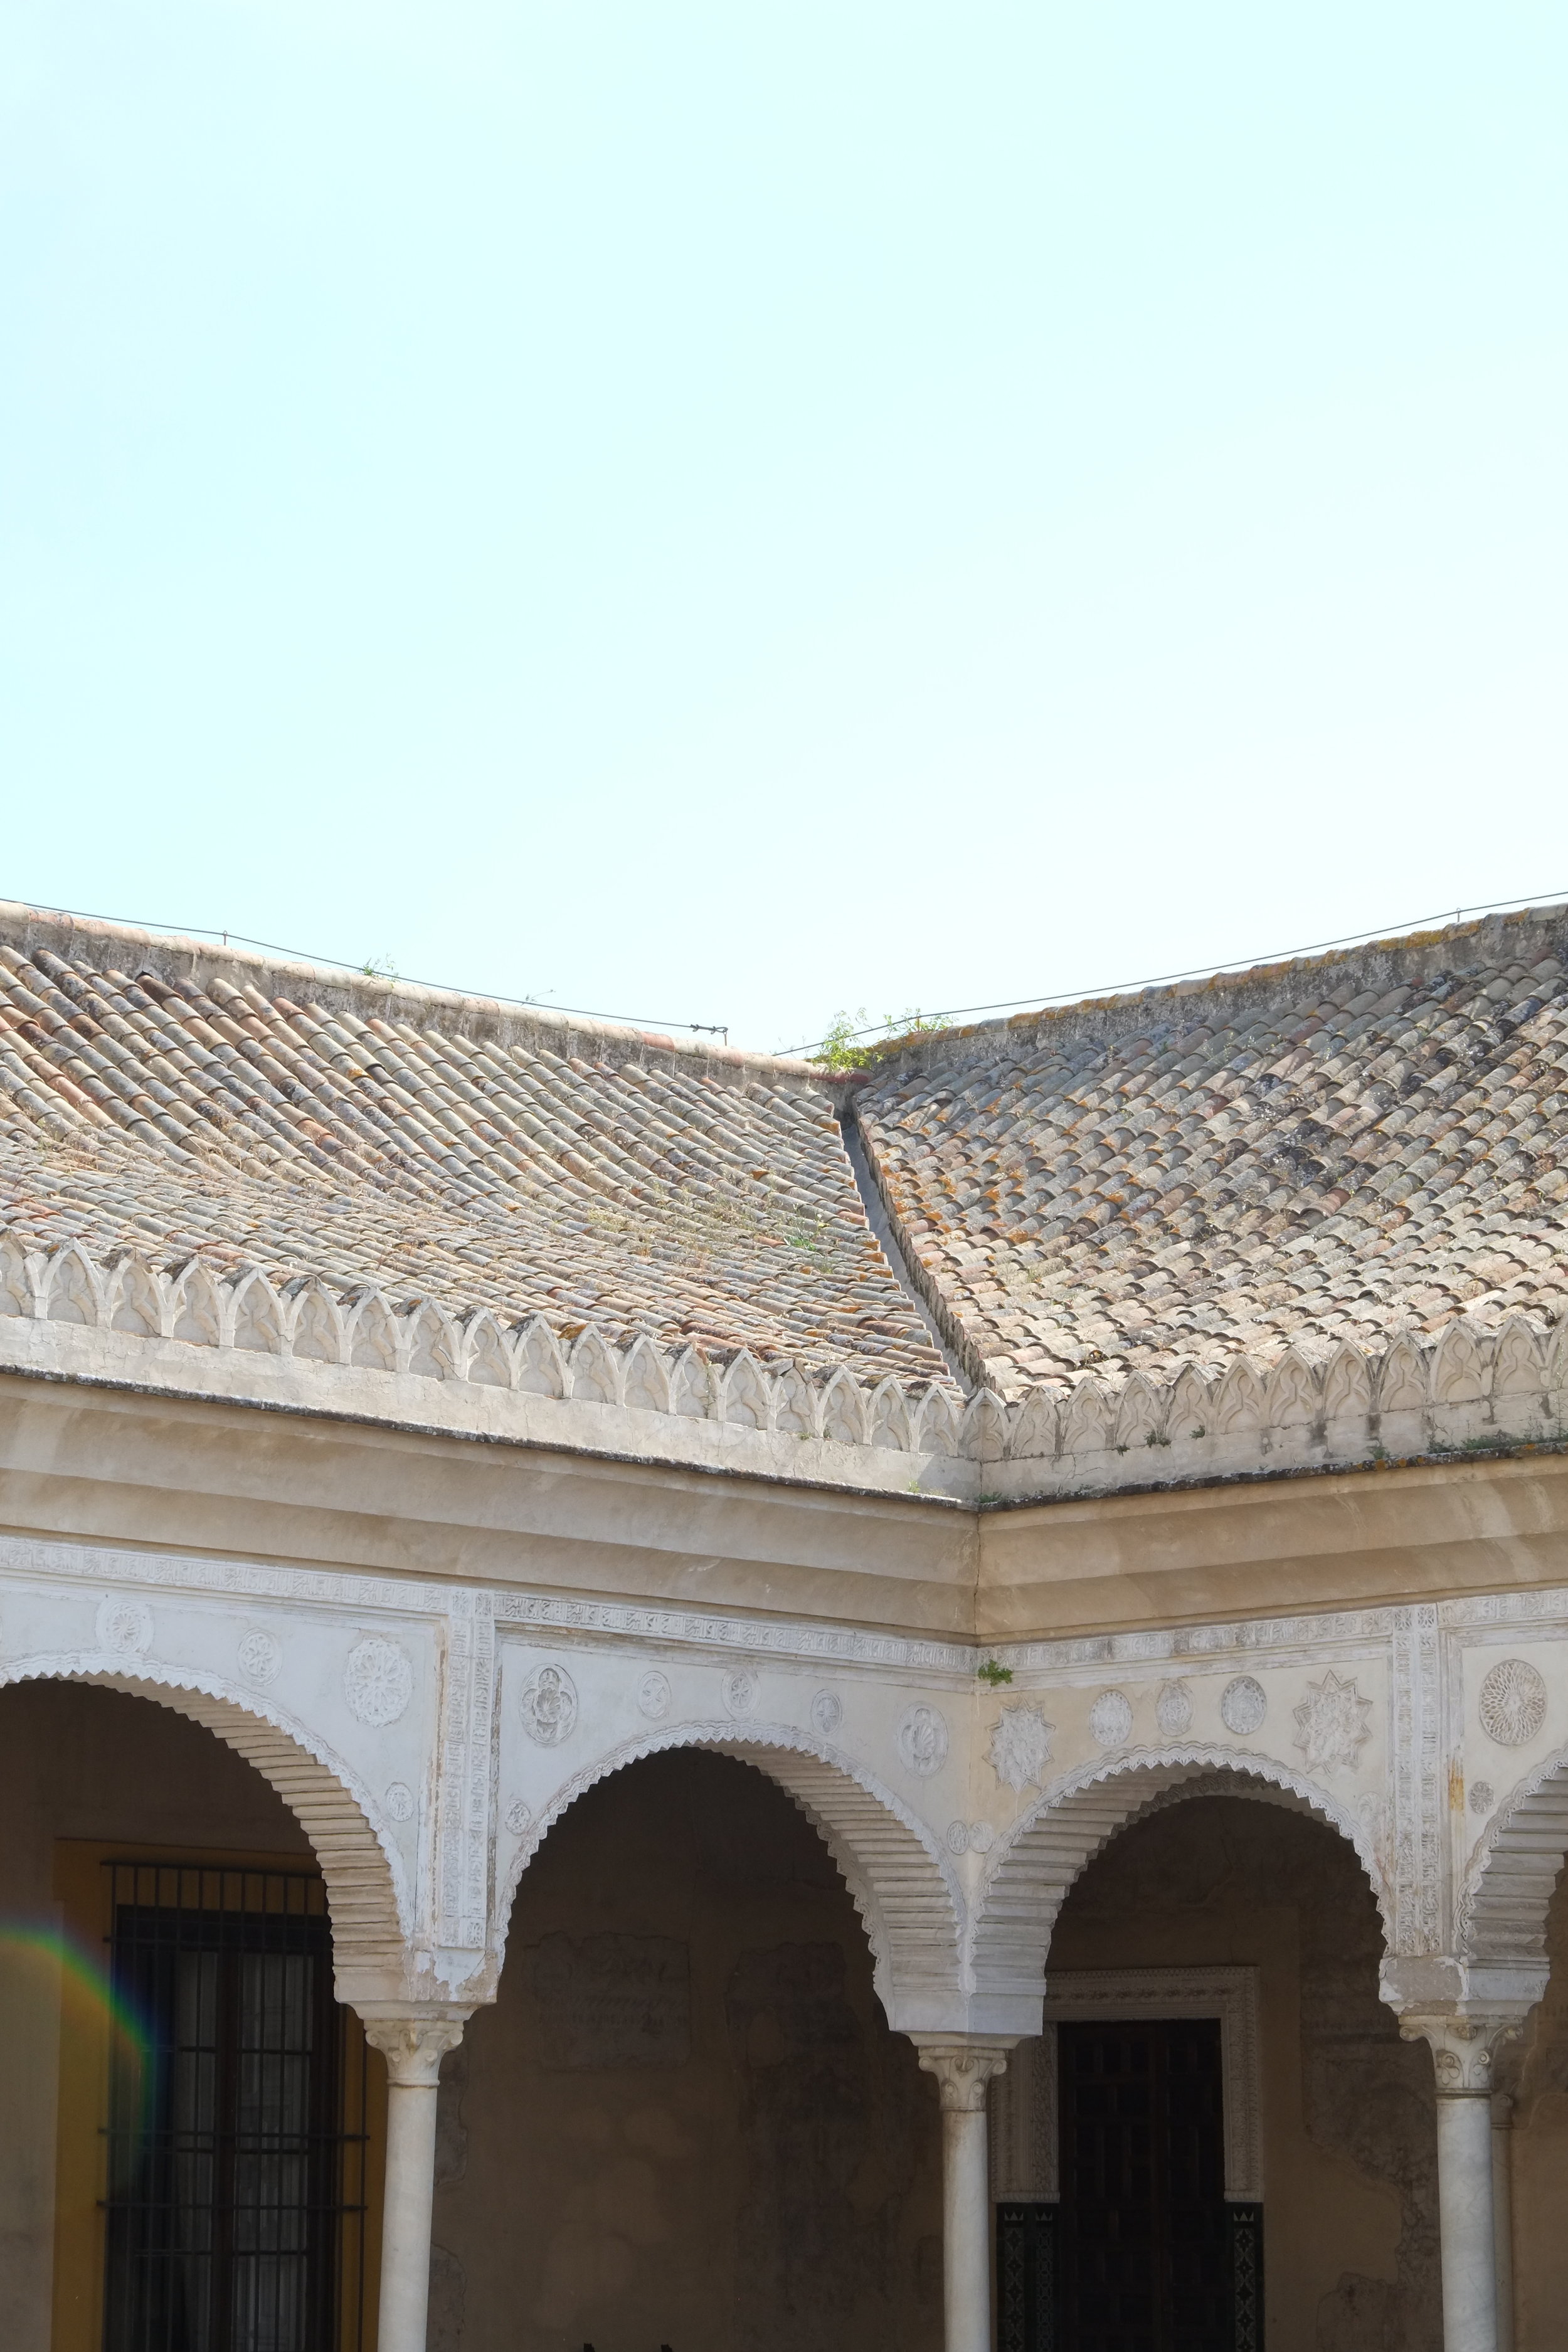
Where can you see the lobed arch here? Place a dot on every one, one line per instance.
(1051, 1847)
(368, 1897)
(1503, 1901)
(899, 1880)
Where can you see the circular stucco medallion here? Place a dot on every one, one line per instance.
(827, 1713)
(653, 1695)
(1513, 1703)
(378, 1681)
(518, 1817)
(1483, 1795)
(260, 1654)
(740, 1687)
(958, 1837)
(124, 1625)
(548, 1706)
(1243, 1705)
(923, 1740)
(1110, 1719)
(400, 1802)
(1174, 1709)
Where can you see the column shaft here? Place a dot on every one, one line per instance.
(1465, 2032)
(1502, 2215)
(414, 2045)
(405, 2216)
(966, 2231)
(1465, 2210)
(964, 2065)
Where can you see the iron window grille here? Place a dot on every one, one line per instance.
(237, 2118)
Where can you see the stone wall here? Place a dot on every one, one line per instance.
(1349, 2133)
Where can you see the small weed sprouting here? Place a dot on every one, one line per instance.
(840, 1051)
(993, 1673)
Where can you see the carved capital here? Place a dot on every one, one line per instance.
(1463, 2046)
(962, 2069)
(414, 2046)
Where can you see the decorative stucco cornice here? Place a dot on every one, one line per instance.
(237, 1338)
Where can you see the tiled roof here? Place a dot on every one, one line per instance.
(1345, 1147)
(1340, 1147)
(179, 1101)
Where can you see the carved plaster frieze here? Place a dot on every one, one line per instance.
(1332, 1634)
(760, 1638)
(466, 1774)
(1419, 1793)
(1401, 1826)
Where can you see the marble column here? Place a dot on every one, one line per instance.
(414, 2043)
(964, 2065)
(1463, 2046)
(1502, 2215)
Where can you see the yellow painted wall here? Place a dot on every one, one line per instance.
(92, 1765)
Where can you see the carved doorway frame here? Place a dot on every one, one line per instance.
(1025, 2148)
(1024, 2154)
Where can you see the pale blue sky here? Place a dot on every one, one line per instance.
(725, 512)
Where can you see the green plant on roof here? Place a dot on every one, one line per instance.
(995, 1672)
(852, 1042)
(379, 967)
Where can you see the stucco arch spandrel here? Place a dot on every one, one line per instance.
(368, 1895)
(901, 1882)
(1053, 1844)
(1501, 1910)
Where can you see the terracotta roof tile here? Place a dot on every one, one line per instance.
(460, 1155)
(1340, 1147)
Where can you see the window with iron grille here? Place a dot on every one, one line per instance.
(236, 2125)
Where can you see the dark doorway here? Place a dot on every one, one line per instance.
(1146, 2254)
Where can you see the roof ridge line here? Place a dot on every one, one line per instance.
(386, 996)
(931, 1046)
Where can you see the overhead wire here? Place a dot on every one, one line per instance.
(373, 970)
(1169, 979)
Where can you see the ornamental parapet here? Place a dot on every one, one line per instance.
(198, 1330)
